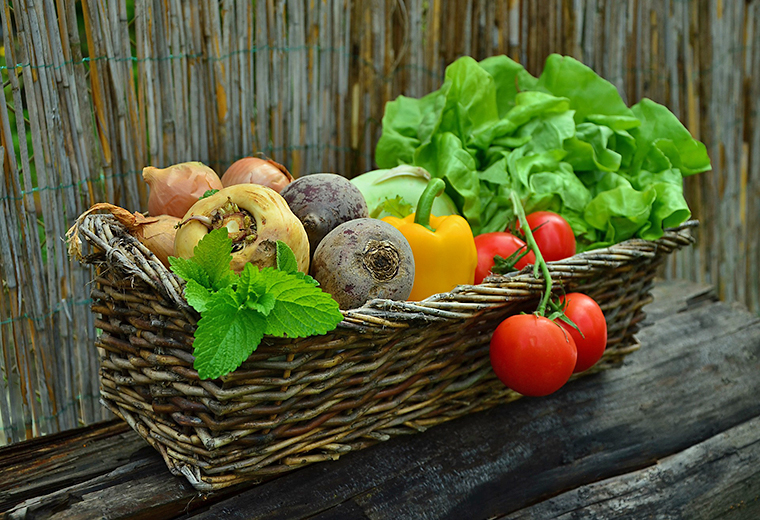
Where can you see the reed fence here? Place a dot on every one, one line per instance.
(97, 89)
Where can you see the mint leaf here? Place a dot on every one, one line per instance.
(286, 262)
(300, 308)
(199, 296)
(237, 310)
(214, 254)
(252, 291)
(226, 336)
(250, 284)
(264, 304)
(286, 259)
(188, 269)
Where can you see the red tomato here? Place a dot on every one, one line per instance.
(588, 316)
(554, 238)
(500, 243)
(532, 355)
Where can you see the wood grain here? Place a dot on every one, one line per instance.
(717, 478)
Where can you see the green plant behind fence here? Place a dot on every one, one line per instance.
(98, 90)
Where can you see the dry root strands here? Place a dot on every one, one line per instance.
(156, 233)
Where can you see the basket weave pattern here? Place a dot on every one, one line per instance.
(390, 367)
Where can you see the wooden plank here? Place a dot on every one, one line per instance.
(307, 82)
(717, 478)
(694, 378)
(49, 463)
(674, 296)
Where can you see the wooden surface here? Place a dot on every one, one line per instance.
(674, 433)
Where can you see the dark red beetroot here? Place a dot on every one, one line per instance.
(323, 201)
(364, 259)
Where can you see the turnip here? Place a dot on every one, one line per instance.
(364, 259)
(255, 216)
(322, 201)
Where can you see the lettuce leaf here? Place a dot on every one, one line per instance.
(565, 141)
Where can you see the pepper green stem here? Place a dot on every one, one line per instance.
(425, 205)
(540, 262)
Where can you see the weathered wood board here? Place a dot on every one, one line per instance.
(674, 433)
(717, 478)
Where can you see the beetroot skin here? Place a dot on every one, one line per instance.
(364, 259)
(322, 201)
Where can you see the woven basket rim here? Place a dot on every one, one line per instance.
(122, 249)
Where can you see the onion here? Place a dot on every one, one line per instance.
(174, 189)
(156, 233)
(159, 236)
(253, 170)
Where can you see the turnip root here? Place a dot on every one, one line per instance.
(322, 201)
(255, 216)
(364, 259)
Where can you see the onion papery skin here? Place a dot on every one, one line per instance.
(273, 220)
(173, 190)
(159, 236)
(254, 170)
(156, 233)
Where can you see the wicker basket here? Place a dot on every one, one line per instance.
(389, 368)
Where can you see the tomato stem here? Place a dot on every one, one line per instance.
(540, 262)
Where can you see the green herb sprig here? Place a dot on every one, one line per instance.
(238, 310)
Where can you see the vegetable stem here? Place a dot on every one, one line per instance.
(425, 205)
(540, 262)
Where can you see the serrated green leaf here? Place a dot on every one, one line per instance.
(198, 296)
(251, 291)
(235, 317)
(226, 336)
(286, 259)
(251, 284)
(264, 304)
(214, 254)
(188, 270)
(306, 278)
(300, 308)
(396, 207)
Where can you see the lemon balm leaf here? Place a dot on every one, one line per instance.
(225, 337)
(213, 254)
(189, 270)
(198, 296)
(238, 310)
(300, 309)
(286, 259)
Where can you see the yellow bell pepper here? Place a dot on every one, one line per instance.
(443, 247)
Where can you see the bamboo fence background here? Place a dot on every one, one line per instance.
(98, 89)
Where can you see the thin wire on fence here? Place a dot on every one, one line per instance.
(97, 90)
